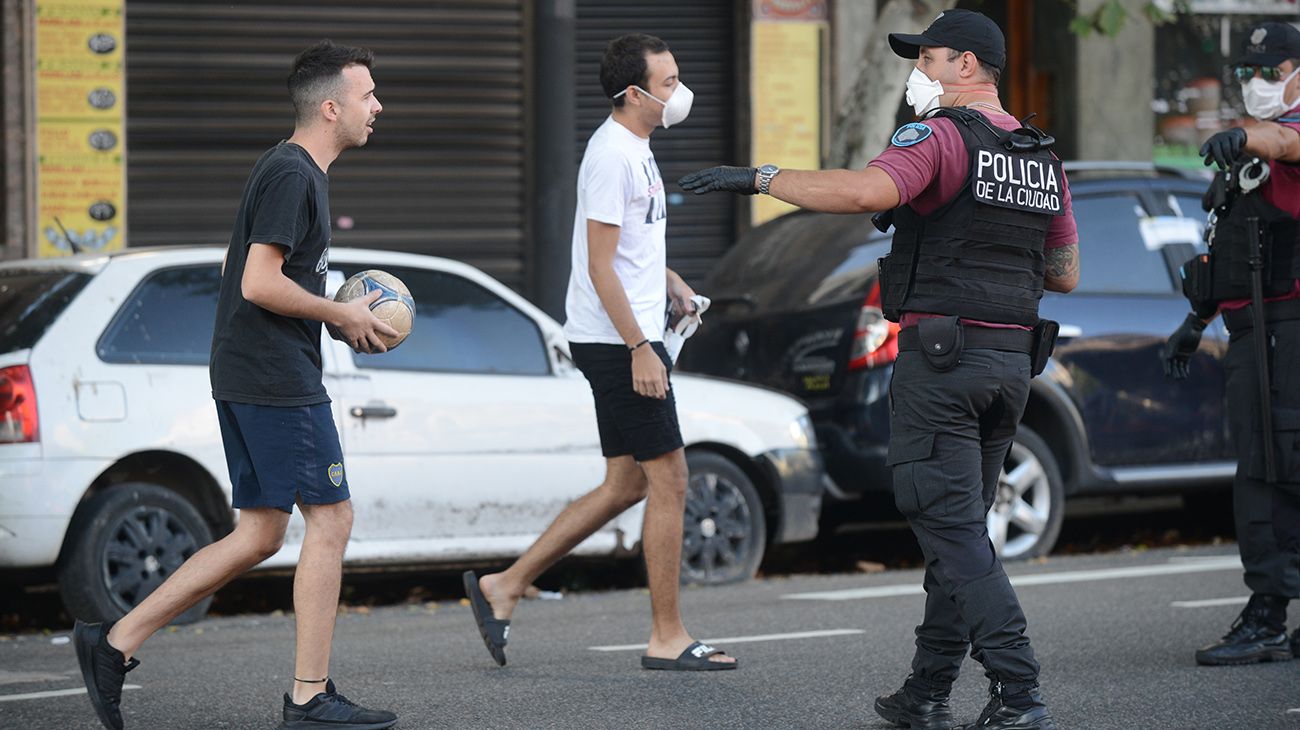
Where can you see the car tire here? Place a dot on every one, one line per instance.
(725, 532)
(1030, 504)
(122, 544)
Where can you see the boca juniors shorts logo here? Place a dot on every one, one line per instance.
(336, 474)
(1031, 184)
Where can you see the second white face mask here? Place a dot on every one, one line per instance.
(1267, 99)
(923, 92)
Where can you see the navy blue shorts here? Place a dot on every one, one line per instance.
(281, 455)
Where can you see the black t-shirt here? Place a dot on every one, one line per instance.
(260, 357)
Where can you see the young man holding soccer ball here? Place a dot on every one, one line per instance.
(281, 444)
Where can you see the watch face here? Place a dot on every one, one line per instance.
(768, 169)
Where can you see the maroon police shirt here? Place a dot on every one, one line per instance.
(931, 172)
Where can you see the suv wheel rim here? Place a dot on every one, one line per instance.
(1023, 505)
(716, 539)
(146, 546)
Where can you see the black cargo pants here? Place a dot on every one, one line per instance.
(1267, 516)
(950, 433)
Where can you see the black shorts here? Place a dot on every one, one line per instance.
(280, 455)
(629, 423)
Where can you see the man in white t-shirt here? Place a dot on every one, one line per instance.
(615, 306)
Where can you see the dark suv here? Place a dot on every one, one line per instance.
(796, 306)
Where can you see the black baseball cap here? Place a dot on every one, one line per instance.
(960, 30)
(1269, 44)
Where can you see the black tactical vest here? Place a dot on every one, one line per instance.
(980, 256)
(1230, 249)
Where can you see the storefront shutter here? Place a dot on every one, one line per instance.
(443, 174)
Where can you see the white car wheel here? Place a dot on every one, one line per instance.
(724, 531)
(123, 543)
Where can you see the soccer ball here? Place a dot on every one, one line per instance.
(394, 307)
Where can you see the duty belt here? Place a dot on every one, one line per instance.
(977, 338)
(1240, 320)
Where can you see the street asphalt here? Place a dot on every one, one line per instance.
(1114, 633)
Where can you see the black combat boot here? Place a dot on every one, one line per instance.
(1014, 707)
(918, 705)
(1258, 635)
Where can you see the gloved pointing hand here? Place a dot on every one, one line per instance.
(733, 179)
(1224, 147)
(1180, 347)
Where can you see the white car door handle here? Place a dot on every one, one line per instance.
(373, 411)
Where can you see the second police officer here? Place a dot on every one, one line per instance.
(1253, 260)
(983, 224)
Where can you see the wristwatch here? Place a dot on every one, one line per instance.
(765, 175)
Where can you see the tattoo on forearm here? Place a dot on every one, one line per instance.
(1063, 262)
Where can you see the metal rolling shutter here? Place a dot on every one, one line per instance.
(701, 34)
(443, 174)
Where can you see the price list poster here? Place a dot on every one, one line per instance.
(787, 60)
(80, 126)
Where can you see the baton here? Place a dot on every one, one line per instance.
(1261, 345)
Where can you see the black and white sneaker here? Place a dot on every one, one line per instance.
(104, 670)
(330, 710)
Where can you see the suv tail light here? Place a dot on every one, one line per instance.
(18, 422)
(875, 342)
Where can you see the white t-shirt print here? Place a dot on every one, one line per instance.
(619, 184)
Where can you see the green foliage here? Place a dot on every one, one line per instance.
(1111, 16)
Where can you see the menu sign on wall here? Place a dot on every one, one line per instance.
(787, 45)
(80, 126)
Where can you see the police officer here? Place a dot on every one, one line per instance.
(971, 256)
(1257, 219)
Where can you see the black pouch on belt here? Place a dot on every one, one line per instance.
(1044, 342)
(1197, 285)
(941, 341)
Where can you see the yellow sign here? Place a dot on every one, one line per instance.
(786, 82)
(80, 126)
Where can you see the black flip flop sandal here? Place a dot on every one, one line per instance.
(494, 631)
(694, 659)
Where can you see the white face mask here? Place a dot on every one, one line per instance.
(676, 108)
(1266, 99)
(922, 92)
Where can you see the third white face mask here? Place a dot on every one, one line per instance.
(676, 108)
(922, 92)
(1266, 99)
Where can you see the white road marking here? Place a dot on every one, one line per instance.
(1196, 558)
(1206, 603)
(54, 693)
(1040, 579)
(12, 677)
(744, 639)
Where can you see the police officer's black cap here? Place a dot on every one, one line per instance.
(1269, 44)
(960, 30)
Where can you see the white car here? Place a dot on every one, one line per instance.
(461, 445)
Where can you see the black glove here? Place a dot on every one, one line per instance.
(732, 179)
(1181, 346)
(1224, 147)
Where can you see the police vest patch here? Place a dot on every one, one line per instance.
(910, 134)
(1019, 182)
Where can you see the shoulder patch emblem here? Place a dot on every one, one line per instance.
(910, 134)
